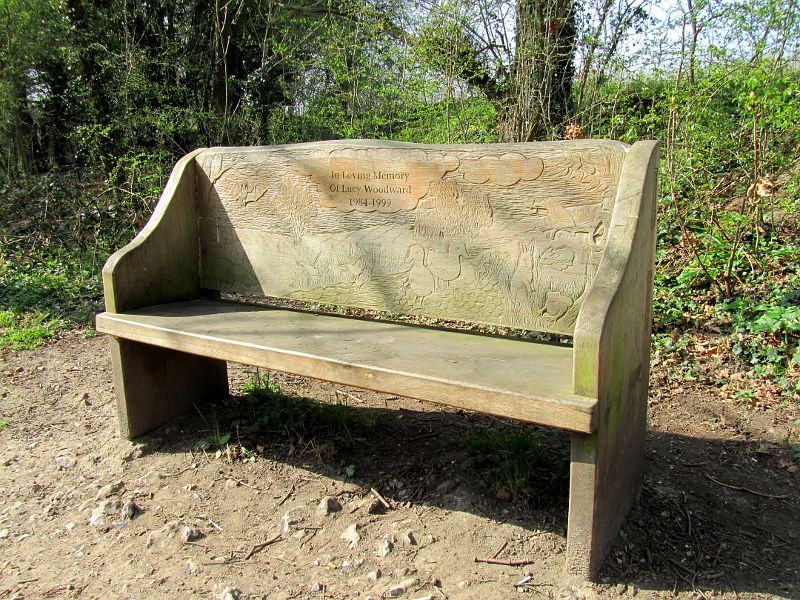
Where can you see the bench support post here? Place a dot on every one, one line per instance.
(154, 385)
(605, 479)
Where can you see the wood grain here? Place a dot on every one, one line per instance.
(510, 378)
(507, 234)
(556, 237)
(612, 362)
(155, 385)
(161, 263)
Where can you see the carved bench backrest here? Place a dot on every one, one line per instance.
(505, 234)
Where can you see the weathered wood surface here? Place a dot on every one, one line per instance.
(510, 378)
(155, 385)
(506, 234)
(556, 237)
(161, 263)
(612, 363)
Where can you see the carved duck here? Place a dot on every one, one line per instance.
(420, 280)
(444, 261)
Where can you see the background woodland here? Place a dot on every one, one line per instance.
(98, 100)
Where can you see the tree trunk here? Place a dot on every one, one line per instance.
(540, 99)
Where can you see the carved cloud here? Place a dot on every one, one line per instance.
(506, 170)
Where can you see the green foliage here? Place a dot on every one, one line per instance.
(531, 465)
(728, 249)
(266, 413)
(216, 438)
(29, 330)
(41, 295)
(3, 424)
(267, 410)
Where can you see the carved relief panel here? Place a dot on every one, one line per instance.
(504, 234)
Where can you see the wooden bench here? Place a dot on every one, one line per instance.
(554, 237)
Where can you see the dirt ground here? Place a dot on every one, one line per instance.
(85, 514)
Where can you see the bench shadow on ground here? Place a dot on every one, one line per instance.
(713, 515)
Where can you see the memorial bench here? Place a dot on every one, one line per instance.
(553, 237)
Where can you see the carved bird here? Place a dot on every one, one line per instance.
(557, 214)
(444, 261)
(420, 280)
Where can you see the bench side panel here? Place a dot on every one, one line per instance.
(612, 362)
(507, 234)
(161, 263)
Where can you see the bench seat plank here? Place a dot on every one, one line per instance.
(509, 378)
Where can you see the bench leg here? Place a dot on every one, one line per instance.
(154, 384)
(605, 478)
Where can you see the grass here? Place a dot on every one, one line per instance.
(530, 465)
(3, 424)
(272, 412)
(41, 295)
(28, 330)
(265, 412)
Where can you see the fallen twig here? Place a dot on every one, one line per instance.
(286, 497)
(508, 563)
(259, 547)
(499, 550)
(239, 481)
(382, 500)
(181, 472)
(748, 490)
(423, 436)
(351, 396)
(214, 525)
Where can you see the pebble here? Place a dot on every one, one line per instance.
(401, 588)
(129, 510)
(317, 587)
(151, 478)
(408, 539)
(385, 546)
(190, 534)
(169, 530)
(374, 575)
(3, 533)
(106, 508)
(328, 505)
(65, 462)
(230, 593)
(464, 584)
(376, 507)
(107, 490)
(351, 535)
(231, 483)
(290, 520)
